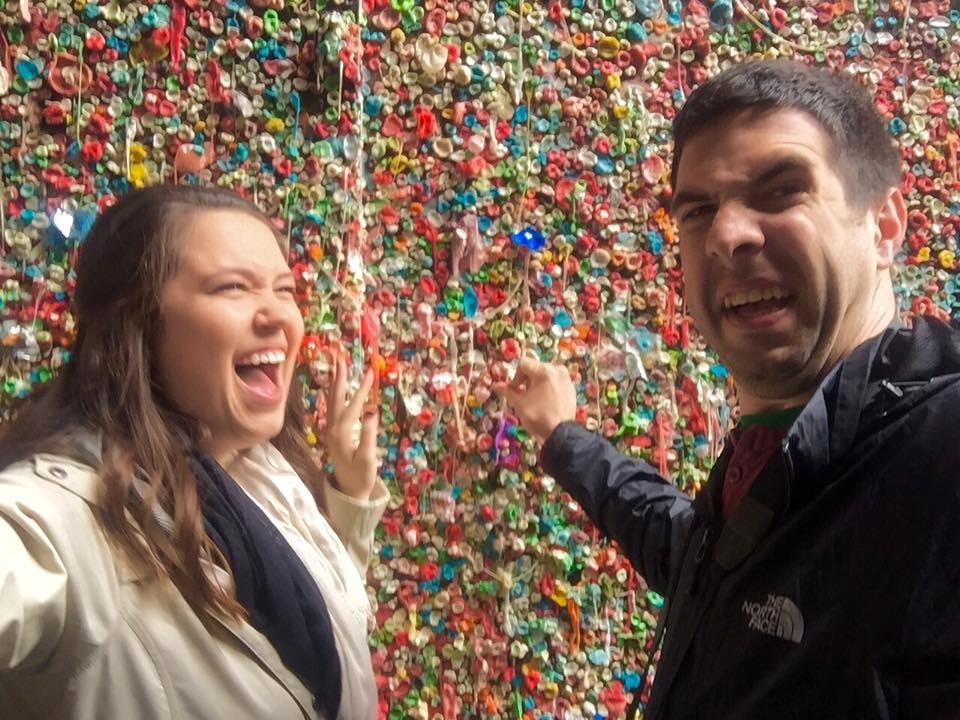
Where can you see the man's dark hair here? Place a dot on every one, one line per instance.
(867, 158)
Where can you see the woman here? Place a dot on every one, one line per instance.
(170, 549)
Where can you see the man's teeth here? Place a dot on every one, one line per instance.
(744, 298)
(263, 358)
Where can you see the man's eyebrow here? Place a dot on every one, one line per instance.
(783, 166)
(687, 197)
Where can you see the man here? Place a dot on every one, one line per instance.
(817, 575)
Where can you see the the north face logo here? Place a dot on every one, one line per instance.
(778, 617)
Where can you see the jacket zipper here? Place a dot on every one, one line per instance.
(788, 466)
(699, 557)
(702, 548)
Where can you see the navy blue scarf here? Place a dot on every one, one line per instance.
(272, 584)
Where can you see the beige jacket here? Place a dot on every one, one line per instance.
(83, 637)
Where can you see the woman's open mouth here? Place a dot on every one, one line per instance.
(259, 373)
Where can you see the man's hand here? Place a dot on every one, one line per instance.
(542, 395)
(354, 463)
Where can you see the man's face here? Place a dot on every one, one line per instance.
(783, 276)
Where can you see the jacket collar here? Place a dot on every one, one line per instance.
(923, 357)
(842, 414)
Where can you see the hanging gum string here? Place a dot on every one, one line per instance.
(353, 189)
(573, 611)
(595, 363)
(518, 84)
(457, 410)
(285, 212)
(674, 415)
(340, 92)
(359, 180)
(680, 75)
(130, 134)
(906, 19)
(523, 185)
(460, 409)
(23, 142)
(80, 58)
(779, 39)
(3, 212)
(361, 136)
(454, 362)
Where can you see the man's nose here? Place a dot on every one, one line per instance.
(734, 230)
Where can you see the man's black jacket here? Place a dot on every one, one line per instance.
(833, 590)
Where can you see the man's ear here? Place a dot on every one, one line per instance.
(891, 227)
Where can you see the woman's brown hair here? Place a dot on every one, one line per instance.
(110, 387)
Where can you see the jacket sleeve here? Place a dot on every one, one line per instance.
(624, 497)
(355, 520)
(33, 581)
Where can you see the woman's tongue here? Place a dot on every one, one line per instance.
(258, 379)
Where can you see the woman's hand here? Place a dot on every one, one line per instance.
(354, 463)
